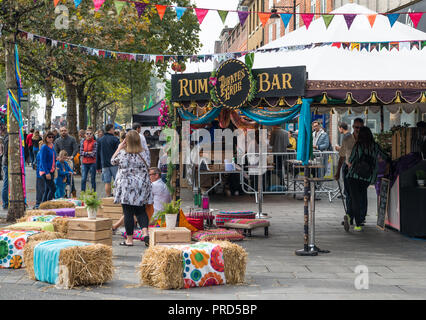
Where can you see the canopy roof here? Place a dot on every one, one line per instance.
(148, 117)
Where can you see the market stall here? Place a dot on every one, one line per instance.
(361, 68)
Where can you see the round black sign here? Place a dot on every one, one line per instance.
(233, 83)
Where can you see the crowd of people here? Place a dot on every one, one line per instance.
(121, 157)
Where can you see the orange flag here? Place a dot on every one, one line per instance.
(55, 2)
(161, 10)
(264, 17)
(372, 18)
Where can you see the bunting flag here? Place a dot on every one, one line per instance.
(384, 45)
(140, 7)
(222, 14)
(264, 17)
(179, 12)
(161, 10)
(364, 46)
(98, 4)
(285, 17)
(372, 18)
(394, 45)
(307, 19)
(55, 2)
(337, 44)
(355, 46)
(201, 14)
(415, 17)
(392, 18)
(119, 6)
(414, 44)
(422, 44)
(76, 3)
(242, 15)
(327, 19)
(349, 18)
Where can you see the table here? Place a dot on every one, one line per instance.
(309, 248)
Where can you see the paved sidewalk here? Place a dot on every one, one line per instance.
(396, 264)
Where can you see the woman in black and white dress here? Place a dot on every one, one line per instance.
(132, 185)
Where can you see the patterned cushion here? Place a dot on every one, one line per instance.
(12, 248)
(247, 223)
(137, 235)
(225, 216)
(217, 234)
(196, 222)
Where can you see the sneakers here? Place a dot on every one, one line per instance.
(358, 229)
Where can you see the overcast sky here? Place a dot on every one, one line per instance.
(210, 30)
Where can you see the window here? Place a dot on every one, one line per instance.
(270, 32)
(323, 8)
(278, 28)
(313, 6)
(297, 16)
(271, 4)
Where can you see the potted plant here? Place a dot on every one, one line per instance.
(168, 214)
(91, 202)
(421, 177)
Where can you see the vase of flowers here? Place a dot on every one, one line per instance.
(91, 202)
(168, 214)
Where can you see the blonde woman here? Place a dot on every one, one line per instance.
(132, 185)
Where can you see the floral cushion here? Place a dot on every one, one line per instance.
(217, 234)
(225, 216)
(12, 248)
(247, 223)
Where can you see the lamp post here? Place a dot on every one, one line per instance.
(275, 15)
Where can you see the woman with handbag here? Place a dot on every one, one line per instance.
(48, 166)
(363, 171)
(132, 185)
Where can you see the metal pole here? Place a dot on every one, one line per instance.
(294, 15)
(312, 220)
(131, 94)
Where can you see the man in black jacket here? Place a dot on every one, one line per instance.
(107, 145)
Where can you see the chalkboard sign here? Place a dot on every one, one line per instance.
(382, 211)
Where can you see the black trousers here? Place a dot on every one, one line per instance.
(358, 193)
(129, 222)
(49, 192)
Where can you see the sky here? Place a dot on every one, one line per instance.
(210, 30)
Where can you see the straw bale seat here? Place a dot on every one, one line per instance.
(69, 263)
(205, 264)
(56, 205)
(248, 225)
(31, 226)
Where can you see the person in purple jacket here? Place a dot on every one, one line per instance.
(48, 165)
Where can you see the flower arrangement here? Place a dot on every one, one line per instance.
(169, 208)
(164, 119)
(90, 199)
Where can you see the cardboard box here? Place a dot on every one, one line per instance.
(177, 235)
(86, 224)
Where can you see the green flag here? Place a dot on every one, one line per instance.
(119, 6)
(150, 103)
(223, 14)
(327, 19)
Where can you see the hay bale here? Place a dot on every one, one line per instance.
(235, 260)
(78, 266)
(161, 267)
(31, 226)
(56, 204)
(61, 224)
(46, 235)
(39, 213)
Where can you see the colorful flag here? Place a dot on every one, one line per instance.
(355, 46)
(372, 18)
(161, 10)
(327, 19)
(179, 12)
(242, 15)
(307, 19)
(349, 18)
(264, 17)
(223, 14)
(76, 3)
(119, 6)
(392, 18)
(285, 17)
(55, 2)
(415, 17)
(201, 14)
(98, 4)
(140, 7)
(394, 45)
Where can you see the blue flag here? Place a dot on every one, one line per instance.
(179, 12)
(286, 18)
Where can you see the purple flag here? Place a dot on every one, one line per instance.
(140, 7)
(243, 16)
(349, 18)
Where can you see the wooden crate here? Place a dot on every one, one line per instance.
(177, 235)
(97, 230)
(109, 202)
(81, 212)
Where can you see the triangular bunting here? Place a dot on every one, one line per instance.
(364, 46)
(392, 18)
(76, 3)
(394, 45)
(119, 6)
(161, 10)
(159, 59)
(337, 44)
(355, 46)
(374, 46)
(414, 44)
(349, 18)
(55, 2)
(242, 15)
(140, 7)
(372, 18)
(98, 4)
(327, 19)
(415, 17)
(422, 44)
(346, 45)
(307, 19)
(264, 17)
(201, 13)
(285, 17)
(384, 45)
(179, 12)
(223, 14)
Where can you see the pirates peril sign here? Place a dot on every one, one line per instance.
(233, 85)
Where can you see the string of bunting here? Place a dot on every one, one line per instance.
(219, 57)
(242, 15)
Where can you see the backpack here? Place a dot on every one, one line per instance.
(364, 166)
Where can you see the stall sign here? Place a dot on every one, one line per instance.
(233, 84)
(270, 82)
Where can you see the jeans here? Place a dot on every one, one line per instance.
(85, 168)
(129, 222)
(40, 188)
(50, 190)
(358, 192)
(5, 191)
